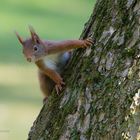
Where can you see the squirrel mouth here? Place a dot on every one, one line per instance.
(29, 59)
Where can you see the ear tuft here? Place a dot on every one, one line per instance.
(34, 35)
(19, 38)
(32, 32)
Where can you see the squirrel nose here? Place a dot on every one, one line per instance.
(29, 59)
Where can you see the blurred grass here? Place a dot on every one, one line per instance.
(20, 98)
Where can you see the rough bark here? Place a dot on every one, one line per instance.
(101, 100)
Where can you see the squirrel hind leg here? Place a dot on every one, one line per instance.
(46, 84)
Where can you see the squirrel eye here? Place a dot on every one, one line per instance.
(35, 48)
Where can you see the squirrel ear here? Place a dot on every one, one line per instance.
(34, 35)
(32, 32)
(19, 38)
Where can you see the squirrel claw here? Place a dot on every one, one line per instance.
(57, 90)
(58, 87)
(62, 83)
(59, 83)
(88, 42)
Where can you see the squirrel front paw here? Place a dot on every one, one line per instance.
(58, 87)
(59, 84)
(88, 42)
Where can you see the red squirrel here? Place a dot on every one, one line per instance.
(50, 57)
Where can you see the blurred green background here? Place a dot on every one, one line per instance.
(20, 97)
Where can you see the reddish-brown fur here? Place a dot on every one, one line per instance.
(67, 45)
(53, 75)
(48, 77)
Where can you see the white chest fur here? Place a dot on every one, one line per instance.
(51, 61)
(56, 61)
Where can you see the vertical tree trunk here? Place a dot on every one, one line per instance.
(101, 100)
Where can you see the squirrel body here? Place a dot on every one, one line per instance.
(50, 57)
(56, 61)
(51, 61)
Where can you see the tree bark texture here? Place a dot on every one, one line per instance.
(101, 99)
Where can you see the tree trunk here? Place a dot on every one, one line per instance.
(101, 100)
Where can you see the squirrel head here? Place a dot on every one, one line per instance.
(33, 48)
